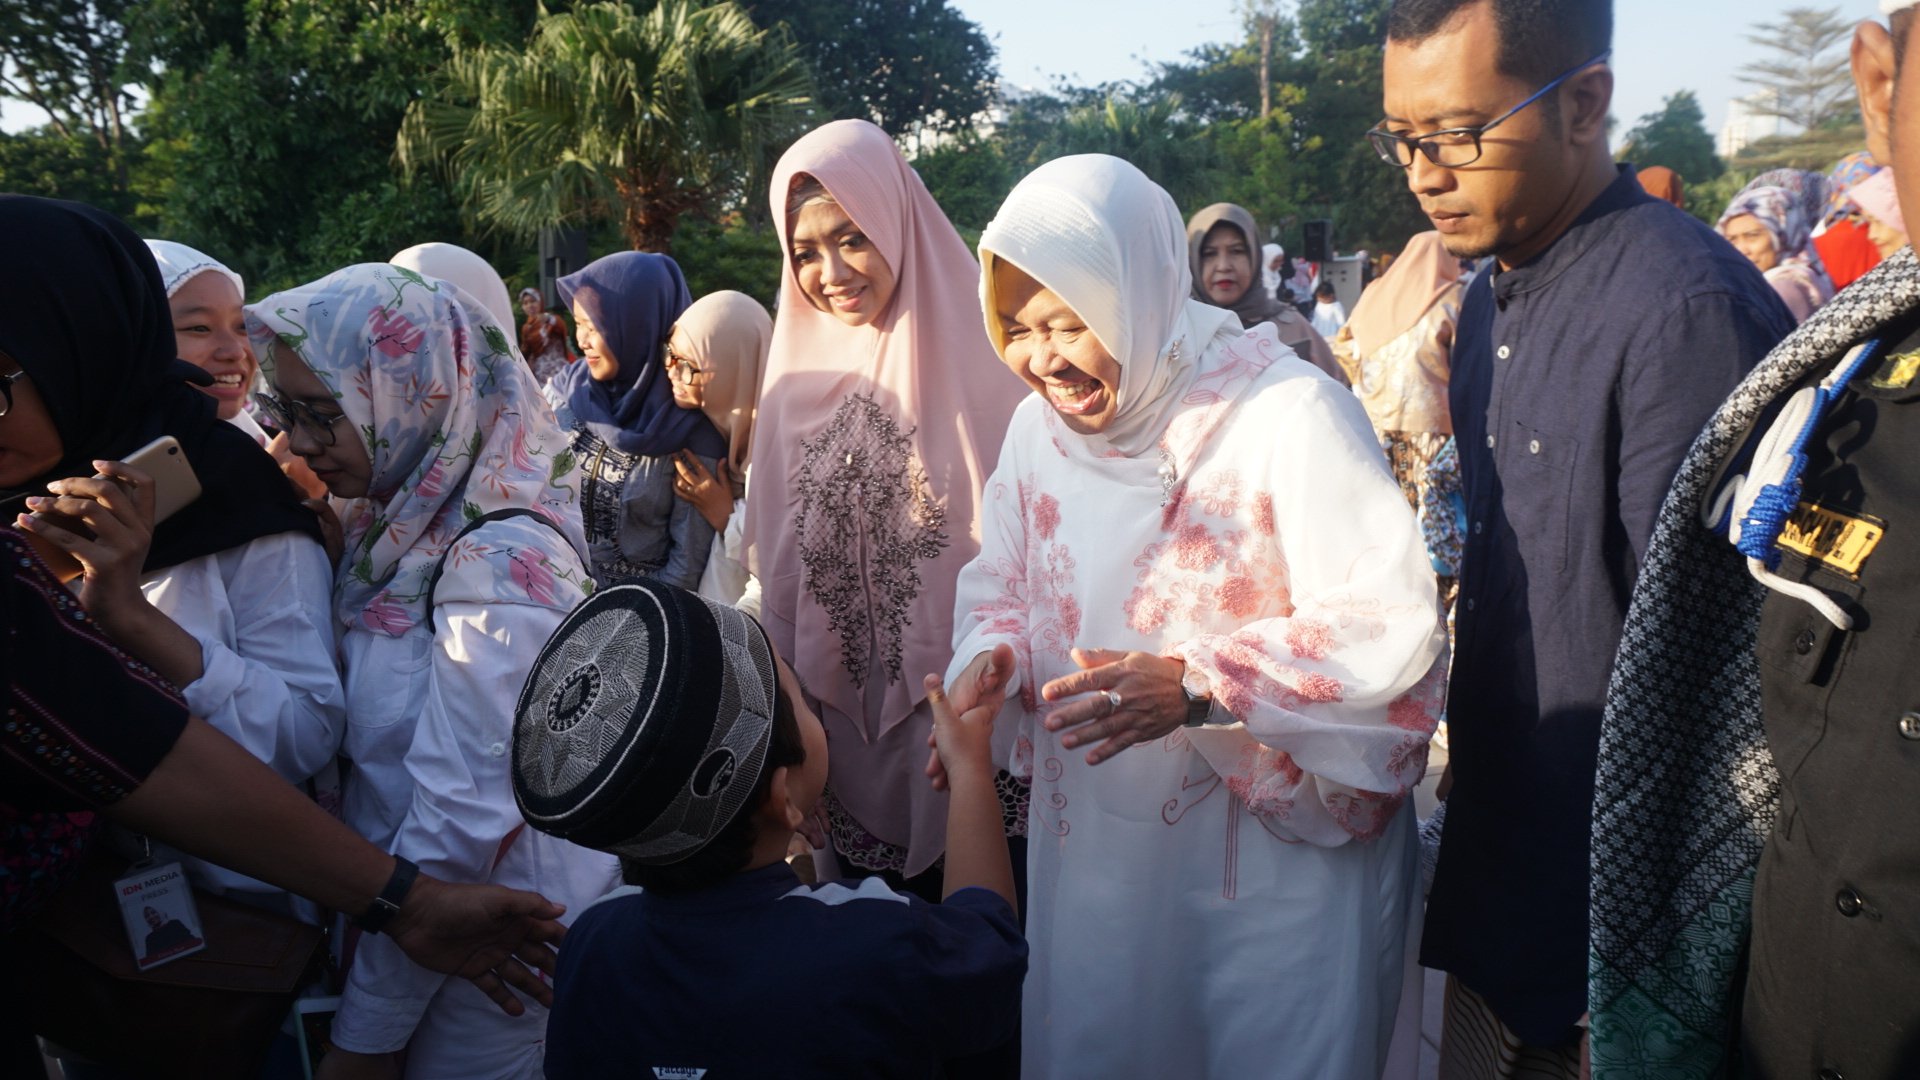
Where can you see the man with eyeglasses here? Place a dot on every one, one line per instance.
(1606, 328)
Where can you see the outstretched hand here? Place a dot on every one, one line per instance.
(1147, 688)
(983, 685)
(491, 936)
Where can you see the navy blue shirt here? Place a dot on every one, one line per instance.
(762, 976)
(1579, 381)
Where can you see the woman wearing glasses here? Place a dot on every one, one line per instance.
(464, 552)
(714, 358)
(228, 598)
(626, 429)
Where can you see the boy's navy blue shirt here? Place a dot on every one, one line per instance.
(1579, 381)
(763, 976)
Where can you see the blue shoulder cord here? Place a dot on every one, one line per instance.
(1775, 503)
(1771, 488)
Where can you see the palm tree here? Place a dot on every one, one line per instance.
(647, 116)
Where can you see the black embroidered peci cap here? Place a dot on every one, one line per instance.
(644, 726)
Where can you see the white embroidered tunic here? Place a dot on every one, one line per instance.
(1228, 901)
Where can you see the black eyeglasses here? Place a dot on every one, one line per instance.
(1456, 148)
(286, 414)
(682, 368)
(6, 389)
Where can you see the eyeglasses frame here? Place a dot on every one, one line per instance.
(291, 414)
(1376, 135)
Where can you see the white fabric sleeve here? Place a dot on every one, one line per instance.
(463, 811)
(263, 614)
(987, 608)
(1341, 695)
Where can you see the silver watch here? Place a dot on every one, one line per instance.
(1199, 698)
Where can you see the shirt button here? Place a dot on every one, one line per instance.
(1470, 603)
(1505, 352)
(1490, 441)
(1479, 527)
(1849, 903)
(497, 749)
(1803, 644)
(1828, 1074)
(1533, 447)
(1910, 726)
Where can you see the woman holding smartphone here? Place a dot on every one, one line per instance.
(229, 598)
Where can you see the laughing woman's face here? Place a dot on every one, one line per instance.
(210, 332)
(1050, 347)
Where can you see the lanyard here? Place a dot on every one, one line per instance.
(1752, 509)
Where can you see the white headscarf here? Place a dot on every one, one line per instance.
(1112, 245)
(1269, 274)
(469, 272)
(180, 264)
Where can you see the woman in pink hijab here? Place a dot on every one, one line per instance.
(875, 435)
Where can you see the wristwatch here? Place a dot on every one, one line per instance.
(387, 904)
(1199, 697)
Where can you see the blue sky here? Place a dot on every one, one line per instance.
(1660, 46)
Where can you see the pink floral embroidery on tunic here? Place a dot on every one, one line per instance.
(1264, 521)
(1220, 494)
(1310, 639)
(1046, 516)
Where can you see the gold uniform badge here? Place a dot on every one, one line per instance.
(1839, 541)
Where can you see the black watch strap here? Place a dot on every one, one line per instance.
(387, 904)
(1199, 709)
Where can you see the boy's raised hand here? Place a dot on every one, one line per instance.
(982, 685)
(962, 742)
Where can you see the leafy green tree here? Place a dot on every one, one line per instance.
(969, 177)
(1152, 133)
(1808, 80)
(609, 113)
(272, 125)
(1676, 137)
(907, 65)
(68, 59)
(44, 162)
(734, 253)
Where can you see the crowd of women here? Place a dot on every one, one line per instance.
(1810, 234)
(1149, 470)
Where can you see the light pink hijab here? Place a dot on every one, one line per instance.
(869, 454)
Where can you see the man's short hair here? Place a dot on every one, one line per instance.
(1539, 39)
(1901, 23)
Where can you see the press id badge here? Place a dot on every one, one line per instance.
(156, 905)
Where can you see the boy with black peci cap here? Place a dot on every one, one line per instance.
(662, 728)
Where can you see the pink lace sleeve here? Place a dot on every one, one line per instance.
(1336, 699)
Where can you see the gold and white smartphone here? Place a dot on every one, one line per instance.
(174, 484)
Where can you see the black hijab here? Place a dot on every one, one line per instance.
(83, 311)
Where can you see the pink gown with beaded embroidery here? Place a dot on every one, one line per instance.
(1230, 901)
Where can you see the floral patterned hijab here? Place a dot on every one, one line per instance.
(455, 428)
(1789, 203)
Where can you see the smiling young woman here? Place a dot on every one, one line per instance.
(876, 430)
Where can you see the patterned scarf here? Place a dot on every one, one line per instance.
(454, 428)
(1686, 789)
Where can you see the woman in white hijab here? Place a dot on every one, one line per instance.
(472, 274)
(1214, 625)
(259, 612)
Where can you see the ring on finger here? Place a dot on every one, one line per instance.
(1113, 701)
